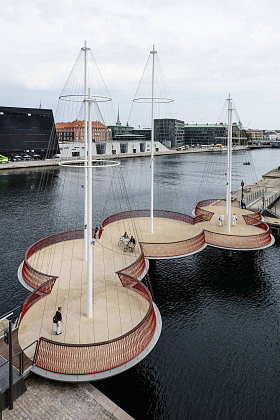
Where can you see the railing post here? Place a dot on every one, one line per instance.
(21, 362)
(11, 380)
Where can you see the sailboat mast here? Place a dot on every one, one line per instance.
(229, 164)
(153, 52)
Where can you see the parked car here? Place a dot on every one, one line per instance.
(3, 159)
(35, 156)
(16, 158)
(26, 157)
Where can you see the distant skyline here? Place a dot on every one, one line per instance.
(206, 49)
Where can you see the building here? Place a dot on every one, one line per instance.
(210, 134)
(75, 131)
(146, 132)
(124, 146)
(27, 130)
(169, 132)
(256, 134)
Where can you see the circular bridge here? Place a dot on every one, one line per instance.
(126, 323)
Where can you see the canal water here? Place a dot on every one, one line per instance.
(218, 356)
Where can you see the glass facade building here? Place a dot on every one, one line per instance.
(211, 134)
(169, 132)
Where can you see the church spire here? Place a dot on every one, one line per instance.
(118, 119)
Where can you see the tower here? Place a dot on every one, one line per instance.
(118, 123)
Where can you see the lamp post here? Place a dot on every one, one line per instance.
(242, 195)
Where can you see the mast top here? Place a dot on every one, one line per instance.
(229, 100)
(85, 47)
(153, 50)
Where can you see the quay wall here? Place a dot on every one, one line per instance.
(55, 162)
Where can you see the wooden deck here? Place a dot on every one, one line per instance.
(116, 309)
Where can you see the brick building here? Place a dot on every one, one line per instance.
(74, 131)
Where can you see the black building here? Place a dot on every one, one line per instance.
(27, 130)
(169, 132)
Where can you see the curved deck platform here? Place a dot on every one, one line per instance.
(126, 323)
(249, 232)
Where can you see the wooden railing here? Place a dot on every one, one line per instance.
(146, 213)
(174, 249)
(82, 359)
(201, 213)
(240, 241)
(42, 291)
(35, 278)
(252, 219)
(136, 269)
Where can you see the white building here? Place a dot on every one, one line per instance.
(77, 149)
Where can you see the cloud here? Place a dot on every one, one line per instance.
(206, 49)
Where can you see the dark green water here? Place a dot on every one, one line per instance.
(219, 353)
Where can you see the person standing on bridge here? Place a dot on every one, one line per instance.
(57, 320)
(234, 219)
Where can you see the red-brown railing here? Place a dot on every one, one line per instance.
(239, 241)
(173, 249)
(252, 219)
(82, 359)
(201, 212)
(40, 292)
(146, 213)
(136, 269)
(33, 277)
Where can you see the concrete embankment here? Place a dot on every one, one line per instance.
(264, 196)
(55, 162)
(56, 401)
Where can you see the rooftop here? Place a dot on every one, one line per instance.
(78, 123)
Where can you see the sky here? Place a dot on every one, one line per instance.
(206, 50)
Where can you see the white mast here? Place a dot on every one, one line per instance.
(88, 260)
(89, 242)
(229, 164)
(153, 52)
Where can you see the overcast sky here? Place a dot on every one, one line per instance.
(206, 49)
